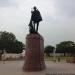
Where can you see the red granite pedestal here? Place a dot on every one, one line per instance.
(34, 55)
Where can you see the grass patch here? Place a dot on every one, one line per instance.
(58, 58)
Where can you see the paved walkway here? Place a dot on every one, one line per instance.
(15, 68)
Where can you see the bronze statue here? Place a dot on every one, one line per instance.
(35, 19)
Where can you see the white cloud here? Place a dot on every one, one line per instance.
(7, 3)
(66, 7)
(58, 18)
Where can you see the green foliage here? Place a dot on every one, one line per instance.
(15, 47)
(5, 39)
(9, 43)
(66, 47)
(48, 49)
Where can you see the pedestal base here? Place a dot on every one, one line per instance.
(34, 56)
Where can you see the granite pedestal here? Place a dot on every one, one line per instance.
(34, 55)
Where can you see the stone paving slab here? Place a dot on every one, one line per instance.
(52, 68)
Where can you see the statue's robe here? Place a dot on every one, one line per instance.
(36, 16)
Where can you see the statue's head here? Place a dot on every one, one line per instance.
(34, 8)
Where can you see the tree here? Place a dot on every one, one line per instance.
(5, 38)
(15, 47)
(9, 43)
(1, 52)
(65, 47)
(49, 49)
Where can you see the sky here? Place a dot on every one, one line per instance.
(58, 19)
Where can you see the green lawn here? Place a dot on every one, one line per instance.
(59, 58)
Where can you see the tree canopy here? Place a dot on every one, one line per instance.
(66, 47)
(9, 43)
(49, 49)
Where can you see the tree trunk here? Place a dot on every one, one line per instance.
(0, 56)
(64, 54)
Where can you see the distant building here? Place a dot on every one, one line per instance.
(11, 55)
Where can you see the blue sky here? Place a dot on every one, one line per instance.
(58, 19)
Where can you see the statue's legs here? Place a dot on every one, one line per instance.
(37, 26)
(34, 26)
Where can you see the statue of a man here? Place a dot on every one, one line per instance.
(35, 19)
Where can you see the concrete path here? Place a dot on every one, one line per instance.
(52, 68)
